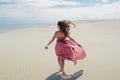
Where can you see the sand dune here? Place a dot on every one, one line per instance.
(23, 57)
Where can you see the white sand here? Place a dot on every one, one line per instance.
(23, 57)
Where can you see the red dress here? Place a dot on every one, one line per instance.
(69, 50)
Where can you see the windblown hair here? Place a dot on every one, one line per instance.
(65, 26)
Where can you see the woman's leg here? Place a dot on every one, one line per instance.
(59, 62)
(62, 66)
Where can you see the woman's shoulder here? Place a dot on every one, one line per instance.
(57, 32)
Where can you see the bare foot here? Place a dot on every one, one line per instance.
(75, 62)
(60, 70)
(64, 74)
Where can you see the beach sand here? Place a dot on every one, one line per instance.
(23, 57)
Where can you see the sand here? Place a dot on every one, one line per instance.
(23, 57)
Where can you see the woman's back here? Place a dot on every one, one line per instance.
(60, 35)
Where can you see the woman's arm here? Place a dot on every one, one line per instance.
(53, 38)
(73, 40)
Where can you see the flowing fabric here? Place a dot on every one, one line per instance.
(67, 49)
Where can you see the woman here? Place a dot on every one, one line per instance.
(66, 47)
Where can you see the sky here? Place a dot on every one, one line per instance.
(48, 11)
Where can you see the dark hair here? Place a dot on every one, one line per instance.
(64, 27)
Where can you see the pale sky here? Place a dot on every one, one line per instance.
(16, 11)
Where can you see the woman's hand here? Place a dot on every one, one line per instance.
(79, 45)
(46, 47)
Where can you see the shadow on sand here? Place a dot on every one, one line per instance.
(56, 76)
